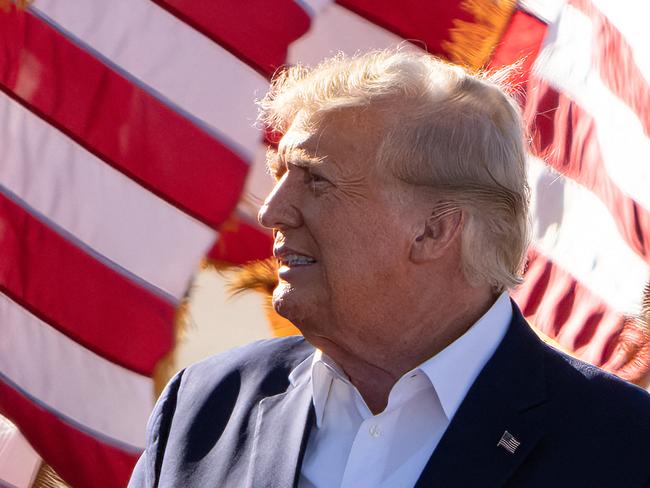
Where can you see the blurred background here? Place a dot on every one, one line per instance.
(132, 168)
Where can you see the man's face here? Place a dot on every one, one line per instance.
(343, 227)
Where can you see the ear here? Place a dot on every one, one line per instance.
(438, 233)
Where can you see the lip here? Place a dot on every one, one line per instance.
(282, 253)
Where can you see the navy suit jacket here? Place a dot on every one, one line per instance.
(234, 421)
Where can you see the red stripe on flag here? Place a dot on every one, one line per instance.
(520, 44)
(118, 121)
(255, 31)
(80, 296)
(564, 309)
(564, 136)
(55, 439)
(241, 241)
(614, 58)
(426, 24)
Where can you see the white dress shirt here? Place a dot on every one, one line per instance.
(349, 447)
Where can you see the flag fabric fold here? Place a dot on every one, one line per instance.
(129, 150)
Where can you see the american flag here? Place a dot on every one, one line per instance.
(129, 150)
(509, 442)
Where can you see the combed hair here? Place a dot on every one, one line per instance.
(456, 135)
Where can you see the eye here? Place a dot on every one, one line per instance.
(316, 178)
(316, 182)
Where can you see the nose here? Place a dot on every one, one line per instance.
(280, 209)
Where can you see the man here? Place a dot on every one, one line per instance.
(400, 220)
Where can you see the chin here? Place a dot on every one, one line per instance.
(290, 303)
(286, 301)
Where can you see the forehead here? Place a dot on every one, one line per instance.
(300, 146)
(293, 149)
(338, 138)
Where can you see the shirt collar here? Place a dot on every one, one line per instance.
(323, 371)
(301, 373)
(454, 369)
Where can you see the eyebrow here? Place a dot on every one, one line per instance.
(276, 161)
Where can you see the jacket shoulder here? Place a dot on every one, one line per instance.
(595, 428)
(598, 396)
(247, 373)
(279, 355)
(210, 404)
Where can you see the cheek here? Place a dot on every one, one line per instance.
(356, 236)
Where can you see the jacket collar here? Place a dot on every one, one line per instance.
(454, 370)
(509, 395)
(282, 429)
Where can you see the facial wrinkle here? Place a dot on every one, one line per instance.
(353, 187)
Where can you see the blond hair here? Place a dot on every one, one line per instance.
(456, 135)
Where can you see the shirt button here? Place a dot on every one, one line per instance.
(374, 431)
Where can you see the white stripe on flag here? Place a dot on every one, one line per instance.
(100, 206)
(107, 400)
(336, 29)
(566, 62)
(547, 10)
(574, 229)
(19, 463)
(187, 68)
(631, 18)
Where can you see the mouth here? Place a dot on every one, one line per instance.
(288, 258)
(293, 260)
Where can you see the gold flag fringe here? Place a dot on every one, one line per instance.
(472, 43)
(262, 277)
(166, 366)
(5, 5)
(48, 478)
(631, 357)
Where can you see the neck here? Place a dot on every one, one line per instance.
(374, 364)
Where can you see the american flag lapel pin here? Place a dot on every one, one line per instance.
(509, 442)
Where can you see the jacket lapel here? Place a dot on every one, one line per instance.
(283, 425)
(508, 395)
